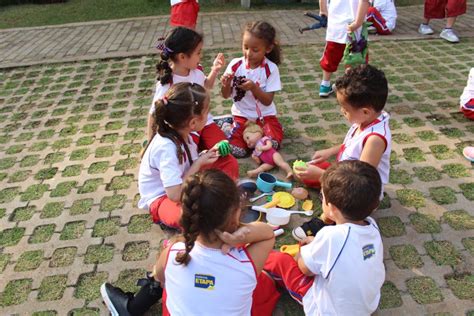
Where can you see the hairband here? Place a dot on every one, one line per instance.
(161, 46)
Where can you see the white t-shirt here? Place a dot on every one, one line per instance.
(353, 145)
(347, 260)
(173, 2)
(341, 13)
(468, 92)
(195, 76)
(211, 284)
(388, 11)
(266, 76)
(160, 169)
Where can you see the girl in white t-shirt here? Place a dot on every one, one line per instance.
(172, 155)
(252, 81)
(180, 57)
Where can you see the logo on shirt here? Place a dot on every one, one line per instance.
(368, 251)
(204, 281)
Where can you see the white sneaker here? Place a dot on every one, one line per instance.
(449, 35)
(425, 29)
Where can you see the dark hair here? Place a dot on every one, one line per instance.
(364, 86)
(181, 102)
(179, 40)
(266, 32)
(208, 200)
(354, 187)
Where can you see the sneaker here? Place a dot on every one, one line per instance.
(325, 91)
(425, 29)
(449, 35)
(310, 228)
(115, 299)
(468, 153)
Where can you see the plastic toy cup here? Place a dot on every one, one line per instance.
(266, 182)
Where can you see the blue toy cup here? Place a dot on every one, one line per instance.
(266, 182)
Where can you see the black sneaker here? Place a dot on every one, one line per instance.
(115, 299)
(310, 228)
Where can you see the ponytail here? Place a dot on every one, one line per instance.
(266, 32)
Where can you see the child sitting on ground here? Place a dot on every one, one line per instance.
(346, 259)
(264, 154)
(383, 15)
(467, 108)
(361, 92)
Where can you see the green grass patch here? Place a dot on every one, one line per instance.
(425, 223)
(110, 203)
(467, 190)
(414, 154)
(7, 163)
(459, 219)
(130, 149)
(42, 233)
(54, 158)
(85, 311)
(442, 252)
(11, 236)
(400, 176)
(97, 254)
(63, 188)
(29, 161)
(410, 197)
(52, 287)
(29, 260)
(127, 163)
(455, 170)
(85, 140)
(98, 167)
(90, 186)
(34, 192)
(462, 285)
(8, 194)
(443, 195)
(390, 296)
(52, 209)
(63, 257)
(441, 152)
(45, 313)
(120, 182)
(139, 224)
(105, 151)
(82, 206)
(23, 213)
(16, 292)
(391, 226)
(73, 230)
(468, 243)
(424, 290)
(79, 154)
(127, 279)
(88, 285)
(4, 260)
(47, 173)
(136, 250)
(406, 256)
(427, 174)
(19, 176)
(105, 227)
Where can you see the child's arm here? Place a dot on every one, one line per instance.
(360, 17)
(266, 98)
(216, 68)
(323, 7)
(159, 267)
(324, 154)
(259, 235)
(226, 87)
(373, 150)
(151, 129)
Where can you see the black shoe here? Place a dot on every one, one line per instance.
(115, 299)
(310, 228)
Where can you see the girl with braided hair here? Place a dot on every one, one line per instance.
(172, 155)
(180, 57)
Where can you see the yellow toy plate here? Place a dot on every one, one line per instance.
(286, 199)
(307, 205)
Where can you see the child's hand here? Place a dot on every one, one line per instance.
(310, 173)
(320, 156)
(248, 85)
(226, 79)
(352, 27)
(232, 239)
(219, 62)
(208, 157)
(306, 240)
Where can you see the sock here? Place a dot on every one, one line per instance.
(326, 83)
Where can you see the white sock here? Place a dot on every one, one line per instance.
(326, 83)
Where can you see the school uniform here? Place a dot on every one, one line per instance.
(467, 97)
(440, 9)
(184, 13)
(383, 15)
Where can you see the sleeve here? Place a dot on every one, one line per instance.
(159, 93)
(273, 81)
(171, 172)
(228, 70)
(321, 254)
(200, 77)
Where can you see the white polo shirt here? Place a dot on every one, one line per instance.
(267, 77)
(173, 2)
(341, 13)
(347, 260)
(160, 169)
(388, 11)
(468, 92)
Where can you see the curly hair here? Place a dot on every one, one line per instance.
(209, 199)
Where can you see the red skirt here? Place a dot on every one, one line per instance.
(185, 14)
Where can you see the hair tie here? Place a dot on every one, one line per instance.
(165, 100)
(161, 46)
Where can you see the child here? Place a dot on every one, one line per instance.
(172, 155)
(361, 92)
(184, 13)
(343, 17)
(180, 57)
(467, 108)
(264, 154)
(346, 259)
(449, 9)
(383, 15)
(256, 78)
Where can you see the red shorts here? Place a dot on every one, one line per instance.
(164, 211)
(439, 9)
(185, 14)
(237, 138)
(374, 16)
(332, 56)
(468, 113)
(315, 183)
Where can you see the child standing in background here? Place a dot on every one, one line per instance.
(179, 62)
(252, 81)
(184, 13)
(383, 15)
(344, 16)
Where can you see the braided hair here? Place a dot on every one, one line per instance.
(209, 199)
(181, 102)
(180, 40)
(265, 31)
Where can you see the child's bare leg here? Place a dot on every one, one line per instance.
(281, 163)
(326, 75)
(262, 168)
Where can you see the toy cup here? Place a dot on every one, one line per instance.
(266, 182)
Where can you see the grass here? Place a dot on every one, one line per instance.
(459, 219)
(16, 292)
(63, 257)
(97, 254)
(42, 233)
(442, 252)
(52, 288)
(390, 296)
(462, 285)
(136, 250)
(391, 226)
(105, 227)
(424, 223)
(11, 236)
(110, 203)
(88, 285)
(29, 260)
(424, 290)
(406, 256)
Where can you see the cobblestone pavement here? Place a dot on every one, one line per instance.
(131, 37)
(70, 134)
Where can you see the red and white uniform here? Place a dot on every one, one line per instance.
(341, 13)
(354, 143)
(184, 13)
(384, 17)
(211, 284)
(467, 97)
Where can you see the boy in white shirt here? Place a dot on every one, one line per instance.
(341, 270)
(383, 15)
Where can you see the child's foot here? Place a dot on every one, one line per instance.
(310, 228)
(325, 91)
(252, 173)
(425, 29)
(449, 35)
(115, 299)
(468, 153)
